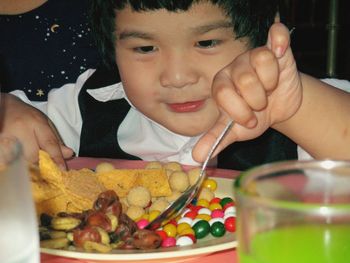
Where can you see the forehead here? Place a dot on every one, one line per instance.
(197, 16)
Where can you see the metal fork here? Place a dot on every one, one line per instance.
(186, 197)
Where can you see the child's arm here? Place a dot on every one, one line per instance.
(321, 126)
(33, 130)
(262, 88)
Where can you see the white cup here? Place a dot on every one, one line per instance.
(19, 236)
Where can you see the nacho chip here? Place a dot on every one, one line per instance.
(55, 205)
(82, 187)
(49, 170)
(155, 180)
(119, 180)
(83, 183)
(41, 189)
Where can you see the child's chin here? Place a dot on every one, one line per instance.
(190, 130)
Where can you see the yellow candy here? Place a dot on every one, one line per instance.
(203, 202)
(170, 230)
(145, 216)
(215, 206)
(204, 217)
(210, 184)
(153, 214)
(187, 231)
(182, 226)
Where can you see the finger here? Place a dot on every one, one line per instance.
(278, 39)
(236, 107)
(204, 144)
(66, 152)
(30, 149)
(28, 144)
(47, 141)
(266, 67)
(251, 89)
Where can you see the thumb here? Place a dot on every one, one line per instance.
(278, 39)
(206, 142)
(66, 152)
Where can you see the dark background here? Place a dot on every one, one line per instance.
(309, 40)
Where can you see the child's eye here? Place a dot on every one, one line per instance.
(208, 43)
(145, 49)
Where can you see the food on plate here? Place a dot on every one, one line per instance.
(154, 165)
(69, 191)
(139, 196)
(104, 167)
(99, 229)
(108, 208)
(172, 166)
(122, 180)
(156, 181)
(159, 204)
(193, 175)
(179, 181)
(135, 212)
(72, 191)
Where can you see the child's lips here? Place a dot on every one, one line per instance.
(190, 106)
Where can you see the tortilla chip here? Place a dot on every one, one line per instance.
(41, 189)
(82, 187)
(55, 205)
(155, 180)
(49, 171)
(83, 183)
(119, 180)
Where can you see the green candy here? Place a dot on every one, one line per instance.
(201, 229)
(225, 200)
(217, 229)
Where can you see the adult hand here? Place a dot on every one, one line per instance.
(33, 129)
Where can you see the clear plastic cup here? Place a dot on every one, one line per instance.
(19, 236)
(296, 211)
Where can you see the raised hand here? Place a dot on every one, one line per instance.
(260, 88)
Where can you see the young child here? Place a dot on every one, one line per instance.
(186, 68)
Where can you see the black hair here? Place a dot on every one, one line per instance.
(250, 18)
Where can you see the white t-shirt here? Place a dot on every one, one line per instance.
(154, 143)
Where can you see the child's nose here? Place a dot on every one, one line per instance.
(178, 72)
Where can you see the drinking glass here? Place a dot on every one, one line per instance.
(294, 212)
(19, 241)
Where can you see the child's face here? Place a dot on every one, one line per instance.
(167, 62)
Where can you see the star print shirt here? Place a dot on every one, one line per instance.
(46, 47)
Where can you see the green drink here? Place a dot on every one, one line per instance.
(294, 212)
(299, 244)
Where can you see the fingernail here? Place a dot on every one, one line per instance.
(278, 52)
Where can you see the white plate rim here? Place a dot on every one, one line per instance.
(226, 242)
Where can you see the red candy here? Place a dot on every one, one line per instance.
(169, 242)
(215, 200)
(162, 234)
(230, 224)
(228, 205)
(192, 214)
(173, 222)
(142, 223)
(217, 213)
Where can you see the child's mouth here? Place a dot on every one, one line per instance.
(190, 106)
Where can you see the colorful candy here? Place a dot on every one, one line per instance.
(201, 229)
(201, 217)
(217, 229)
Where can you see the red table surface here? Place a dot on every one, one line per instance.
(229, 255)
